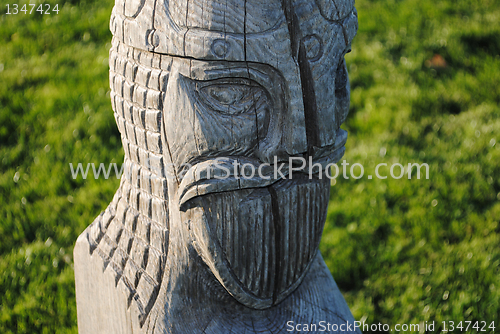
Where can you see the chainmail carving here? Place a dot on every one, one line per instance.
(131, 235)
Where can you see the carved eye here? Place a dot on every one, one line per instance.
(227, 95)
(230, 97)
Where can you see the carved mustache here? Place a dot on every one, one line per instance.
(237, 173)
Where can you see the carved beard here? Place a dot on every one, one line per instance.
(259, 243)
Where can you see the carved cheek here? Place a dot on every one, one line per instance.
(202, 120)
(179, 121)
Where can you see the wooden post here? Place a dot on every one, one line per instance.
(229, 113)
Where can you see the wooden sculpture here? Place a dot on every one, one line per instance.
(205, 92)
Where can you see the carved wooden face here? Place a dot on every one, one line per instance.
(257, 236)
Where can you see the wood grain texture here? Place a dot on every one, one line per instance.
(205, 92)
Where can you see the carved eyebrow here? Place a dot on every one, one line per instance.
(227, 81)
(213, 70)
(210, 74)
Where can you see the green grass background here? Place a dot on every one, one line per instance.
(405, 251)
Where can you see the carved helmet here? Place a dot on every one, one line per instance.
(305, 40)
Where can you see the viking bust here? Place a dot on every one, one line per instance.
(202, 92)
